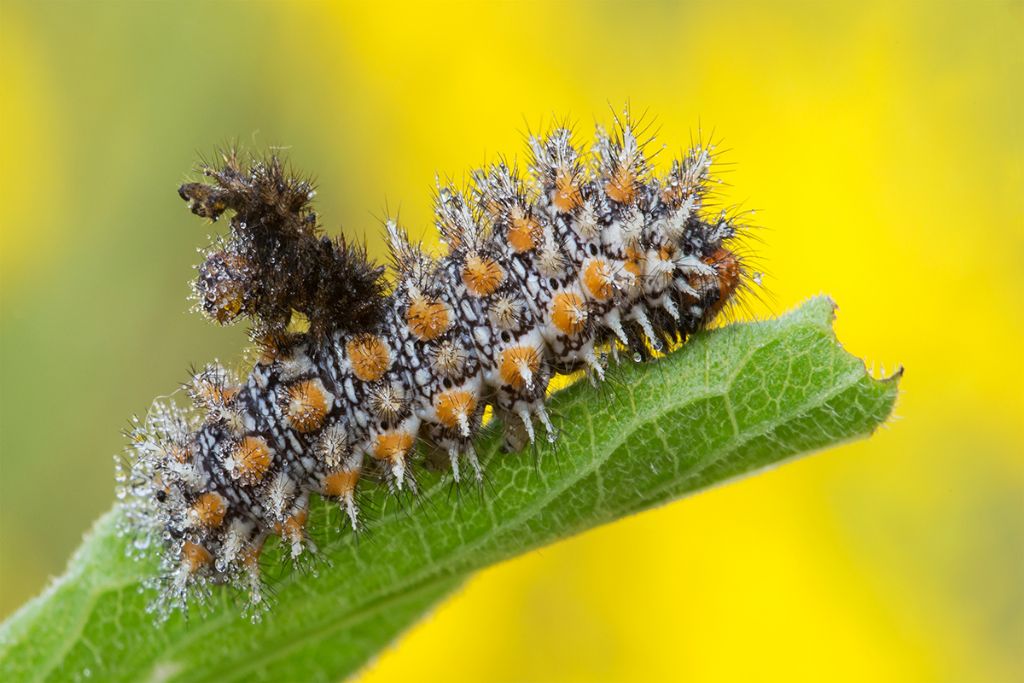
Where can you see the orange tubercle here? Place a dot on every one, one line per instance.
(180, 453)
(195, 556)
(524, 232)
(427, 318)
(393, 445)
(513, 359)
(250, 556)
(597, 278)
(213, 392)
(634, 262)
(307, 405)
(568, 313)
(293, 526)
(251, 458)
(566, 195)
(482, 276)
(369, 356)
(209, 510)
(271, 346)
(621, 186)
(453, 405)
(340, 483)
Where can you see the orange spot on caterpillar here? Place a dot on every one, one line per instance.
(340, 483)
(292, 527)
(597, 278)
(634, 262)
(307, 405)
(454, 407)
(209, 509)
(250, 556)
(195, 556)
(369, 357)
(251, 458)
(524, 231)
(271, 346)
(492, 208)
(482, 276)
(568, 313)
(621, 186)
(393, 445)
(672, 194)
(427, 318)
(179, 452)
(514, 360)
(566, 195)
(211, 392)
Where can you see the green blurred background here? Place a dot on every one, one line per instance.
(881, 143)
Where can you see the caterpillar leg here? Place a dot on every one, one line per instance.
(456, 451)
(542, 413)
(519, 428)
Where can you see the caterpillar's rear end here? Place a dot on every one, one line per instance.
(586, 256)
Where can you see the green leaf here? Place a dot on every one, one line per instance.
(731, 401)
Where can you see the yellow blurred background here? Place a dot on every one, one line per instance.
(881, 143)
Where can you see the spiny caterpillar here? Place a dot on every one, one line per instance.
(585, 256)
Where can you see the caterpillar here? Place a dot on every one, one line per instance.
(584, 256)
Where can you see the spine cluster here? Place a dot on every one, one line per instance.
(585, 256)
